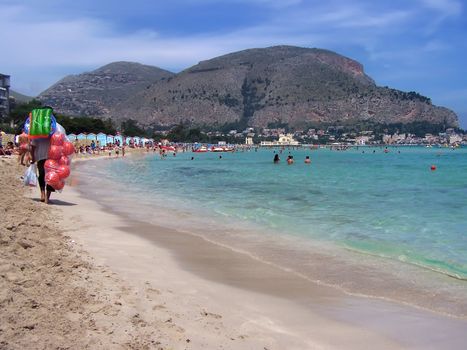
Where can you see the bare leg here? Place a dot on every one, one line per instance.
(42, 196)
(47, 198)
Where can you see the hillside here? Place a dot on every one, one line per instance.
(96, 93)
(260, 87)
(20, 97)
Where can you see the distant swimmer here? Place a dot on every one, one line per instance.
(192, 158)
(276, 158)
(290, 160)
(307, 160)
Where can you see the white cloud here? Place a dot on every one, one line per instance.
(444, 7)
(355, 17)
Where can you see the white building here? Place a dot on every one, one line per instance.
(284, 140)
(454, 138)
(362, 140)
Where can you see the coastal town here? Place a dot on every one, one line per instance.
(333, 136)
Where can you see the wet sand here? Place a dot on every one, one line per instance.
(256, 299)
(121, 283)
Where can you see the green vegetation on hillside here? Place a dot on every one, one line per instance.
(85, 124)
(130, 127)
(183, 133)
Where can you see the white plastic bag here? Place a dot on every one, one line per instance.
(30, 177)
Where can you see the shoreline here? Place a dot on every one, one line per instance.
(149, 286)
(355, 273)
(317, 295)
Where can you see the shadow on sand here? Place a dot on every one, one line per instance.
(56, 202)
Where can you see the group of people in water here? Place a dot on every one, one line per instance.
(290, 159)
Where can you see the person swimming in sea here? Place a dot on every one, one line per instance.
(290, 160)
(307, 160)
(276, 158)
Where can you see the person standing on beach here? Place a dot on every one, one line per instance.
(23, 148)
(39, 154)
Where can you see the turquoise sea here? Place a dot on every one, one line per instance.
(390, 206)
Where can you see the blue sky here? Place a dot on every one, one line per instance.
(412, 45)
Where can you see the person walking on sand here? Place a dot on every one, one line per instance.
(39, 154)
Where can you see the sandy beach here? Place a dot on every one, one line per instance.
(77, 275)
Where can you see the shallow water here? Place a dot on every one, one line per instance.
(404, 223)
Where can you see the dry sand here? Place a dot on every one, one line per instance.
(74, 276)
(52, 295)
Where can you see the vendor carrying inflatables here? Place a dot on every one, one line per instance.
(50, 149)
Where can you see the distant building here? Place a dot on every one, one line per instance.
(362, 140)
(287, 140)
(396, 138)
(249, 141)
(4, 95)
(284, 140)
(387, 139)
(454, 139)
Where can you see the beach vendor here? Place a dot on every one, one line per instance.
(39, 154)
(39, 130)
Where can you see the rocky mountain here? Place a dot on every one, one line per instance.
(96, 93)
(256, 87)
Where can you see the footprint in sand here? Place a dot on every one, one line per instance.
(152, 293)
(210, 314)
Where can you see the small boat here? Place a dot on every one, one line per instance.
(221, 149)
(201, 149)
